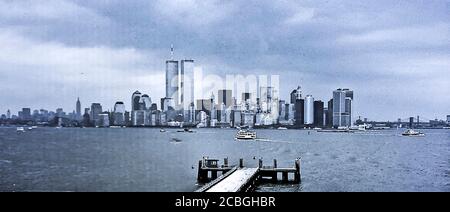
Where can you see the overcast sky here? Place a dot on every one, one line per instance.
(395, 55)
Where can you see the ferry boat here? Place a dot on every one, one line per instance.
(246, 135)
(20, 129)
(411, 132)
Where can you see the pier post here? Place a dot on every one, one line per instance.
(241, 163)
(260, 164)
(225, 162)
(200, 174)
(297, 175)
(275, 163)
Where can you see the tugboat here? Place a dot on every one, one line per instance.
(246, 135)
(411, 132)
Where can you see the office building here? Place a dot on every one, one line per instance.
(78, 109)
(318, 114)
(135, 100)
(299, 112)
(96, 110)
(172, 81)
(309, 110)
(296, 94)
(342, 103)
(225, 97)
(187, 84)
(146, 102)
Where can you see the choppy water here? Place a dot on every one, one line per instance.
(72, 159)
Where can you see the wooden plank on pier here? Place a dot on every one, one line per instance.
(235, 181)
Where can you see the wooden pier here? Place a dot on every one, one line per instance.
(240, 178)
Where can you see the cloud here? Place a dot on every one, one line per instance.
(196, 13)
(43, 71)
(302, 15)
(436, 35)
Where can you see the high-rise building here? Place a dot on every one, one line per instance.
(342, 107)
(225, 96)
(309, 110)
(318, 113)
(299, 112)
(246, 97)
(8, 114)
(329, 117)
(96, 110)
(78, 109)
(204, 105)
(167, 103)
(296, 94)
(187, 83)
(146, 102)
(448, 119)
(172, 81)
(118, 115)
(135, 99)
(25, 114)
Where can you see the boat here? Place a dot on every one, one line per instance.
(411, 132)
(162, 130)
(187, 130)
(246, 135)
(176, 140)
(20, 129)
(282, 128)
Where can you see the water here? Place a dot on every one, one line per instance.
(131, 159)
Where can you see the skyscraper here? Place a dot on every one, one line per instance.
(299, 112)
(296, 94)
(318, 114)
(96, 110)
(172, 81)
(309, 110)
(146, 102)
(78, 109)
(135, 99)
(187, 83)
(225, 96)
(118, 115)
(342, 107)
(8, 114)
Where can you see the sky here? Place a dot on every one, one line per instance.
(394, 54)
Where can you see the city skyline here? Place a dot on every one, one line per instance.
(392, 52)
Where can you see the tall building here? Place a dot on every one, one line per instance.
(78, 109)
(8, 114)
(146, 102)
(204, 105)
(318, 113)
(167, 103)
(25, 114)
(225, 96)
(448, 119)
(96, 110)
(246, 97)
(299, 112)
(296, 94)
(118, 115)
(309, 110)
(172, 81)
(329, 117)
(187, 83)
(342, 107)
(135, 99)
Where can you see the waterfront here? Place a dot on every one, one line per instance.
(143, 159)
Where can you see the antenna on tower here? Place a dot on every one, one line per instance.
(171, 51)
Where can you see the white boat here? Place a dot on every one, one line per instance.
(282, 128)
(20, 129)
(411, 132)
(246, 135)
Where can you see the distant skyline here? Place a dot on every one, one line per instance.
(393, 54)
